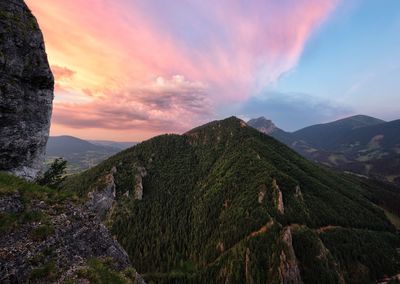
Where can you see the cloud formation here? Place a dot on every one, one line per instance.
(165, 105)
(226, 51)
(61, 73)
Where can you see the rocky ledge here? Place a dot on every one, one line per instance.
(48, 237)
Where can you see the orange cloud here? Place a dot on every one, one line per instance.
(61, 73)
(226, 52)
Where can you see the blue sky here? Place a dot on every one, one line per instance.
(350, 65)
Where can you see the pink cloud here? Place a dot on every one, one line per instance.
(165, 105)
(226, 51)
(61, 73)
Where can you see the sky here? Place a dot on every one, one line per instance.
(127, 70)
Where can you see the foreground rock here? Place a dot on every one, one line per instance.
(46, 238)
(26, 91)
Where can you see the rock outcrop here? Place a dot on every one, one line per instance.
(263, 125)
(297, 193)
(26, 91)
(102, 198)
(141, 173)
(277, 193)
(64, 235)
(288, 269)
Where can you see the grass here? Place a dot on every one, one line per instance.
(101, 271)
(42, 232)
(46, 272)
(28, 192)
(8, 222)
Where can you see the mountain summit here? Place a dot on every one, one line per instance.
(225, 203)
(264, 125)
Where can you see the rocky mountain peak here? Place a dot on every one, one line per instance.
(26, 91)
(263, 125)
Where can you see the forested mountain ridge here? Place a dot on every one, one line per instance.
(226, 203)
(360, 144)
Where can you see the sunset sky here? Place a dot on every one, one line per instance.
(127, 70)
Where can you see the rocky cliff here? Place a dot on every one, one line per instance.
(49, 236)
(26, 91)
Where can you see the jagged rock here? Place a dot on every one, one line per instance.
(277, 193)
(288, 269)
(26, 91)
(101, 200)
(388, 280)
(141, 173)
(139, 279)
(263, 125)
(298, 193)
(76, 236)
(324, 254)
(261, 194)
(249, 278)
(10, 204)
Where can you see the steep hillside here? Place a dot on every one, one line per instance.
(358, 144)
(225, 203)
(325, 136)
(79, 153)
(372, 150)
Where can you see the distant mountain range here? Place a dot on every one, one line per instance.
(114, 144)
(360, 144)
(81, 154)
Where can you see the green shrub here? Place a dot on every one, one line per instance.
(42, 232)
(55, 175)
(46, 272)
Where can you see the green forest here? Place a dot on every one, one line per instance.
(217, 200)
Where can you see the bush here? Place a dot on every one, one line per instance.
(55, 175)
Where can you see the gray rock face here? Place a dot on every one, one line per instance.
(141, 173)
(289, 271)
(77, 235)
(26, 91)
(102, 199)
(263, 125)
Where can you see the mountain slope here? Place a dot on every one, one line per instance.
(324, 136)
(114, 144)
(372, 150)
(226, 203)
(268, 127)
(79, 153)
(359, 144)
